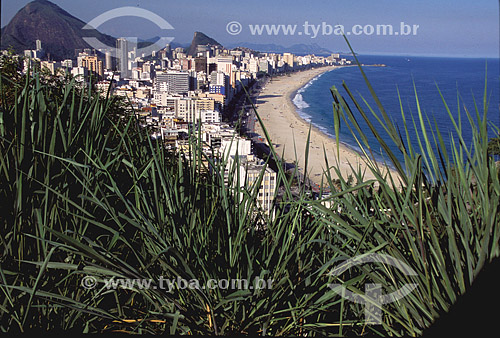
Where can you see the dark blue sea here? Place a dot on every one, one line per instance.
(458, 79)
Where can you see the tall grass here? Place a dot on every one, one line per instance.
(86, 192)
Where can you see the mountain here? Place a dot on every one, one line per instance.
(201, 39)
(173, 45)
(60, 32)
(301, 49)
(246, 50)
(309, 49)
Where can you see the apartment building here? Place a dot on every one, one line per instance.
(248, 171)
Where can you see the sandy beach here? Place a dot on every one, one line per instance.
(286, 128)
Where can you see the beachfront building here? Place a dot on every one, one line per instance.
(288, 59)
(264, 66)
(249, 169)
(235, 146)
(253, 65)
(225, 141)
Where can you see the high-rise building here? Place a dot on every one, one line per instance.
(218, 78)
(50, 66)
(219, 83)
(68, 63)
(232, 146)
(79, 73)
(200, 64)
(109, 60)
(93, 64)
(187, 64)
(264, 66)
(225, 64)
(193, 81)
(249, 171)
(172, 82)
(253, 65)
(37, 53)
(122, 51)
(79, 59)
(202, 49)
(288, 58)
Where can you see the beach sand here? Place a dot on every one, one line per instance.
(286, 128)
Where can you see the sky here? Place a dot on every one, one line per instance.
(456, 28)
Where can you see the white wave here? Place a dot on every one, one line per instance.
(299, 102)
(308, 84)
(304, 116)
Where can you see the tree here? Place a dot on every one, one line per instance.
(11, 77)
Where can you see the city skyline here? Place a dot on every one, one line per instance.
(450, 28)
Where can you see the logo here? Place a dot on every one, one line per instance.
(373, 299)
(89, 282)
(128, 11)
(234, 28)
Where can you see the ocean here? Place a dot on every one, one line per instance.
(456, 77)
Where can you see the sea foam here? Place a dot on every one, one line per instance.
(299, 102)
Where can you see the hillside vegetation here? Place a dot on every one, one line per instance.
(85, 192)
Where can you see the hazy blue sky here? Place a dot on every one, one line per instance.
(446, 27)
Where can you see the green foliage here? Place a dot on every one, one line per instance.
(494, 146)
(86, 192)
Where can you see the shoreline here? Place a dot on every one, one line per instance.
(294, 93)
(288, 130)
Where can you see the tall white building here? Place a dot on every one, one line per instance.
(109, 60)
(264, 66)
(288, 59)
(218, 78)
(224, 64)
(122, 51)
(248, 172)
(253, 65)
(231, 146)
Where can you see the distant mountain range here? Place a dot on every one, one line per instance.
(61, 33)
(295, 49)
